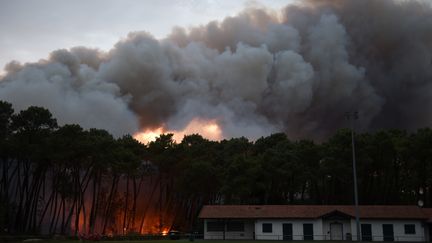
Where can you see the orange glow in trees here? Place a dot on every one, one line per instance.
(209, 129)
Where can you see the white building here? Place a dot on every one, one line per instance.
(316, 222)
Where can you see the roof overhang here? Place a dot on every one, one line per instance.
(336, 214)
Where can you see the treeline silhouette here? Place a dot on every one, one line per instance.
(68, 180)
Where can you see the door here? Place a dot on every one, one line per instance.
(388, 232)
(366, 232)
(336, 231)
(430, 232)
(308, 231)
(287, 231)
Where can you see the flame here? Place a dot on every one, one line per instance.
(156, 220)
(149, 135)
(151, 219)
(209, 129)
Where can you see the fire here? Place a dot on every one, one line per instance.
(149, 135)
(155, 221)
(209, 129)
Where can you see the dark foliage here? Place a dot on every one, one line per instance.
(50, 174)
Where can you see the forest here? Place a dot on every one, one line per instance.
(68, 180)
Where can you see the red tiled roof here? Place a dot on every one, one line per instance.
(309, 211)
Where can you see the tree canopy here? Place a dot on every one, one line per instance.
(66, 179)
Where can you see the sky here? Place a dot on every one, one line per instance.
(31, 29)
(370, 56)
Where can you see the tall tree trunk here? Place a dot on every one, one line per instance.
(108, 207)
(156, 183)
(125, 213)
(136, 190)
(93, 210)
(45, 210)
(54, 213)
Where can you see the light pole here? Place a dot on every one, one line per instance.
(352, 116)
(420, 202)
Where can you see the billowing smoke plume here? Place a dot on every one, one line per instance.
(298, 71)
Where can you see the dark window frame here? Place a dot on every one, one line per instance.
(410, 229)
(235, 226)
(265, 228)
(215, 226)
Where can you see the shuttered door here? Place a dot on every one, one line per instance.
(388, 232)
(308, 231)
(287, 231)
(366, 232)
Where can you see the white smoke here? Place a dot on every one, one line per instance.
(297, 71)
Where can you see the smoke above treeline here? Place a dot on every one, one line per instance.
(297, 70)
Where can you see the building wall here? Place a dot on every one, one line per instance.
(297, 225)
(321, 228)
(247, 234)
(398, 229)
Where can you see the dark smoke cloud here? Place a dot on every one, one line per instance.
(297, 70)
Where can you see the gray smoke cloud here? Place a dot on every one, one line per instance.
(297, 70)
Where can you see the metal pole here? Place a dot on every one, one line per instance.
(353, 117)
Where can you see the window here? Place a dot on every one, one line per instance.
(267, 228)
(215, 226)
(235, 226)
(410, 229)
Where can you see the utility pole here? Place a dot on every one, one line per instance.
(352, 116)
